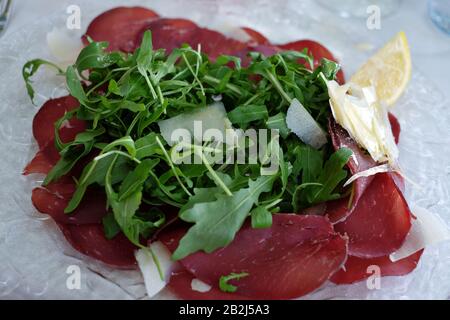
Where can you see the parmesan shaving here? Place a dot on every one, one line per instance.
(427, 229)
(150, 269)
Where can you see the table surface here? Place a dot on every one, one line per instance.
(430, 47)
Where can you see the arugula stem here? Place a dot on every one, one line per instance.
(193, 73)
(214, 175)
(152, 89)
(169, 161)
(230, 86)
(116, 152)
(278, 86)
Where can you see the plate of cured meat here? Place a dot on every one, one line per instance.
(216, 152)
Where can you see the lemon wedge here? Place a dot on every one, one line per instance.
(389, 70)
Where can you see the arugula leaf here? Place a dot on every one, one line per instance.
(147, 146)
(124, 212)
(217, 222)
(126, 142)
(320, 183)
(110, 226)
(132, 106)
(145, 55)
(68, 161)
(247, 113)
(225, 286)
(278, 122)
(74, 85)
(30, 68)
(94, 55)
(329, 68)
(95, 172)
(136, 178)
(261, 218)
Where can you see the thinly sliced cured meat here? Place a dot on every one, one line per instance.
(53, 199)
(214, 43)
(169, 33)
(357, 269)
(338, 210)
(256, 38)
(395, 127)
(39, 164)
(293, 257)
(317, 50)
(44, 160)
(380, 221)
(378, 218)
(359, 161)
(44, 132)
(48, 114)
(173, 33)
(120, 26)
(180, 285)
(90, 240)
(265, 49)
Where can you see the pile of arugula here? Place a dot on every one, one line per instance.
(123, 96)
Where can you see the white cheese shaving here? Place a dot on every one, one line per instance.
(426, 230)
(358, 111)
(64, 44)
(197, 123)
(369, 172)
(200, 286)
(300, 121)
(149, 269)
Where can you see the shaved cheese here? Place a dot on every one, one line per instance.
(369, 172)
(149, 269)
(426, 230)
(197, 123)
(64, 44)
(199, 286)
(300, 121)
(359, 112)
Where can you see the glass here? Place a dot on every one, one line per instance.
(358, 8)
(439, 11)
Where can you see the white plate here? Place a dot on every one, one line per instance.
(33, 253)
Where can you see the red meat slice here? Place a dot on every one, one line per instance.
(292, 258)
(359, 161)
(44, 132)
(339, 210)
(317, 50)
(214, 43)
(169, 33)
(53, 199)
(180, 285)
(256, 38)
(119, 26)
(90, 240)
(173, 33)
(356, 269)
(39, 164)
(380, 221)
(395, 127)
(48, 114)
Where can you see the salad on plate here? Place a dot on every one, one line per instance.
(226, 166)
